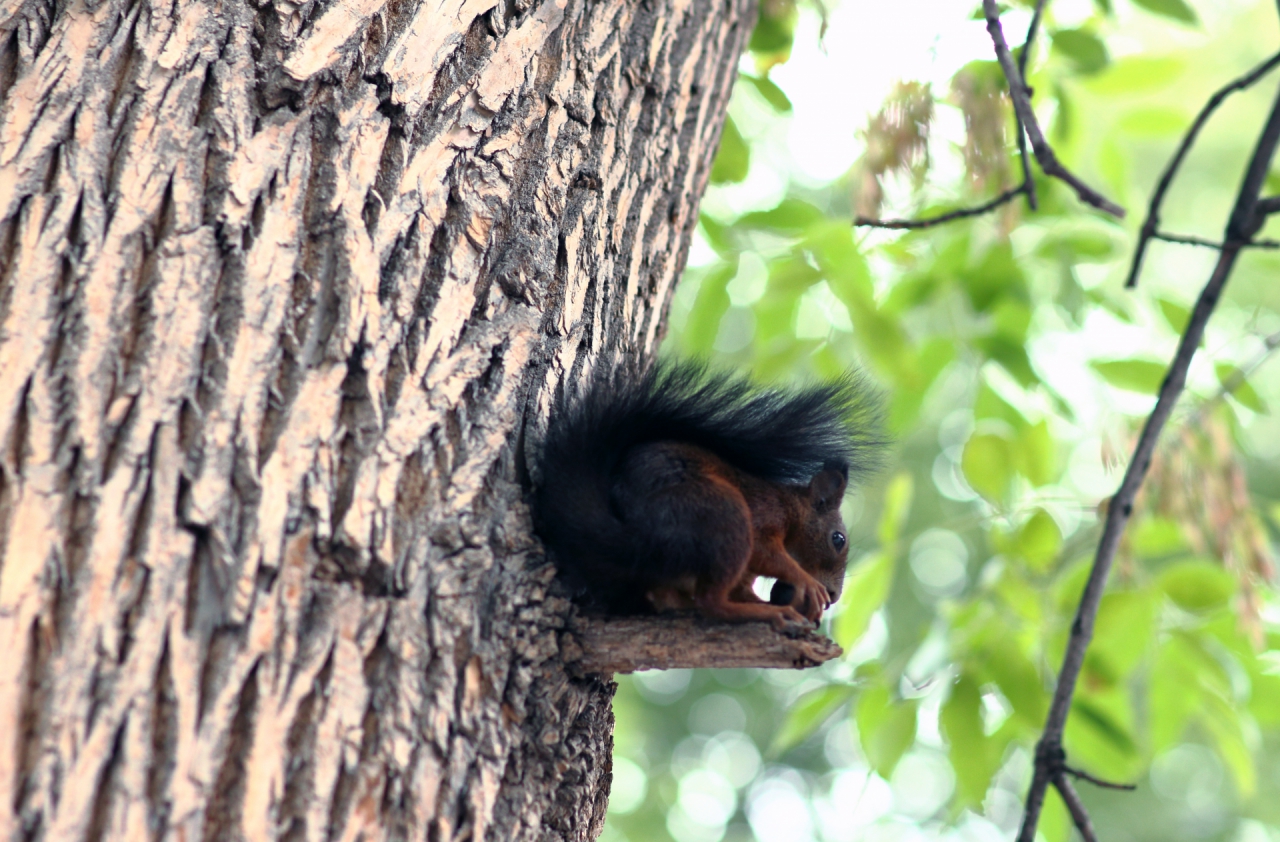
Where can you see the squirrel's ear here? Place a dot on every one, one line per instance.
(826, 489)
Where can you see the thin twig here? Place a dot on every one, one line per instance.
(1076, 807)
(1269, 205)
(1243, 224)
(1188, 240)
(1152, 223)
(1028, 182)
(899, 224)
(1241, 375)
(1022, 107)
(1085, 776)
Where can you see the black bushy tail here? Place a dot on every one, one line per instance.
(780, 436)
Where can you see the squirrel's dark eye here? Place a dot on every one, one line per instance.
(837, 540)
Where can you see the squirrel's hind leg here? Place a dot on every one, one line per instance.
(715, 602)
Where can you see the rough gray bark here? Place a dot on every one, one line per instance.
(281, 288)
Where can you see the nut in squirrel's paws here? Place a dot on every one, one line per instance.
(809, 598)
(782, 593)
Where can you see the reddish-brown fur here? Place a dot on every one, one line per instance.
(765, 528)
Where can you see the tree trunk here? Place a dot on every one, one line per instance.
(282, 288)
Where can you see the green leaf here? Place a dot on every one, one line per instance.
(1039, 540)
(791, 275)
(1085, 50)
(1023, 598)
(1123, 630)
(1197, 585)
(733, 159)
(1078, 244)
(989, 404)
(1018, 679)
(864, 592)
(1064, 122)
(1174, 692)
(897, 505)
(886, 728)
(1069, 586)
(1012, 356)
(790, 216)
(1100, 735)
(1264, 701)
(987, 463)
(709, 307)
(808, 714)
(931, 359)
(974, 756)
(911, 290)
(1133, 375)
(718, 236)
(1012, 318)
(832, 246)
(1227, 732)
(887, 345)
(1177, 315)
(1230, 377)
(1153, 122)
(936, 354)
(1115, 165)
(772, 93)
(774, 32)
(1037, 454)
(1174, 9)
(993, 277)
(1137, 75)
(1154, 537)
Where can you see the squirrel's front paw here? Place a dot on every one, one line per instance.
(787, 619)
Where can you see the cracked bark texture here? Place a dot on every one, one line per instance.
(285, 292)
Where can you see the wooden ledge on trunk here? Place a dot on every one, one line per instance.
(598, 644)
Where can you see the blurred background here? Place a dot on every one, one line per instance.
(1017, 370)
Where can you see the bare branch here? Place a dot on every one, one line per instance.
(1075, 806)
(1187, 240)
(1118, 513)
(1247, 218)
(1028, 182)
(978, 210)
(1031, 37)
(1085, 776)
(1020, 95)
(1242, 224)
(1269, 205)
(628, 644)
(1152, 223)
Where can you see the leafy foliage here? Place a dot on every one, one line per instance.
(1018, 370)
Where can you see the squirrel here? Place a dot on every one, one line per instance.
(677, 487)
